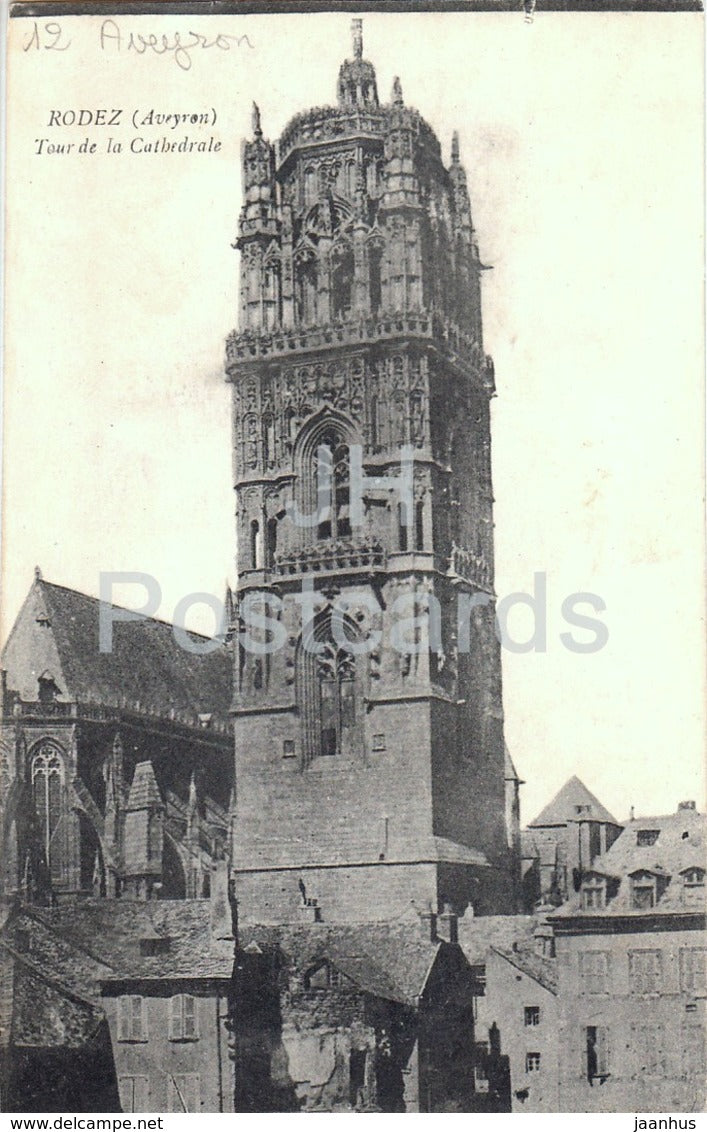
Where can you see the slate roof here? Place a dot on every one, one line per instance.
(146, 666)
(478, 934)
(563, 807)
(527, 960)
(89, 945)
(144, 790)
(389, 960)
(681, 845)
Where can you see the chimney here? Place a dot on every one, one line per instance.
(310, 912)
(686, 806)
(428, 921)
(447, 925)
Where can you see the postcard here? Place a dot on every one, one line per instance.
(352, 750)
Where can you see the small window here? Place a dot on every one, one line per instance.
(532, 1063)
(693, 967)
(645, 972)
(693, 884)
(532, 1015)
(648, 1047)
(183, 1092)
(183, 1018)
(379, 742)
(419, 525)
(594, 894)
(134, 1093)
(255, 544)
(596, 1046)
(288, 748)
(693, 1051)
(647, 836)
(132, 1018)
(583, 809)
(643, 892)
(594, 972)
(402, 527)
(478, 974)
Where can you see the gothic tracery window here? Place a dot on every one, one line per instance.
(327, 694)
(47, 788)
(332, 462)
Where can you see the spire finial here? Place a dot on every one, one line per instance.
(37, 574)
(397, 91)
(357, 35)
(256, 121)
(455, 147)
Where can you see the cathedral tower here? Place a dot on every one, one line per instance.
(369, 729)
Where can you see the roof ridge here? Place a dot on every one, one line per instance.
(125, 609)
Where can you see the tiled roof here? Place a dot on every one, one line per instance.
(146, 666)
(680, 845)
(564, 806)
(390, 960)
(144, 790)
(97, 941)
(478, 934)
(537, 967)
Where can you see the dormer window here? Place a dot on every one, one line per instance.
(693, 887)
(583, 809)
(646, 837)
(324, 976)
(643, 891)
(594, 892)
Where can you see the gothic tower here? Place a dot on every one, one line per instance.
(368, 713)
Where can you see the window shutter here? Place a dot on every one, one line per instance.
(138, 1018)
(175, 1018)
(603, 1051)
(190, 1017)
(124, 1018)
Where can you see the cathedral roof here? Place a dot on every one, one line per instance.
(146, 670)
(572, 803)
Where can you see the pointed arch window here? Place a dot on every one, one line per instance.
(254, 544)
(271, 542)
(268, 441)
(332, 457)
(306, 290)
(47, 770)
(272, 296)
(420, 525)
(342, 277)
(328, 692)
(375, 262)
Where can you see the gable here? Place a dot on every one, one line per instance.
(32, 651)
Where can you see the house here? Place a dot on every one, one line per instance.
(119, 1005)
(631, 972)
(570, 832)
(374, 1017)
(515, 1012)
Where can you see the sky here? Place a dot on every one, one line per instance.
(582, 137)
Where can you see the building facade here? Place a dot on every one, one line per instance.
(359, 354)
(631, 961)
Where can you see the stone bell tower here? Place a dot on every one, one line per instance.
(369, 730)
